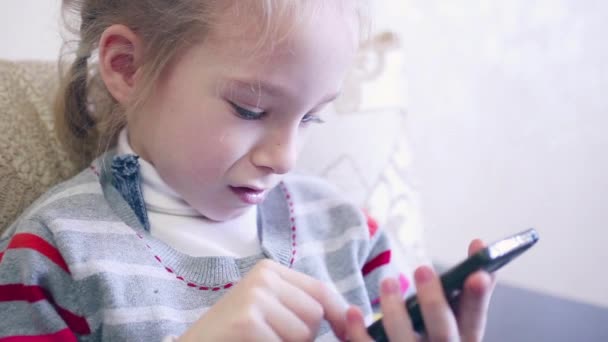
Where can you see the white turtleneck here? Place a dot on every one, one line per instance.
(176, 223)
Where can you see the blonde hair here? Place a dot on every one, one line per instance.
(87, 117)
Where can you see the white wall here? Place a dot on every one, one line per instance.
(508, 121)
(30, 29)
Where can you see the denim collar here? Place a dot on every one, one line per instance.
(127, 180)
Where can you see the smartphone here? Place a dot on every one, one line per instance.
(490, 259)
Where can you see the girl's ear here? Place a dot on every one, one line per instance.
(120, 57)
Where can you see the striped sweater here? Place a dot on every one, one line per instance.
(79, 264)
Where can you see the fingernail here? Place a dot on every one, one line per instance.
(424, 274)
(390, 286)
(353, 316)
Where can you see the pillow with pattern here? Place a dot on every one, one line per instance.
(363, 150)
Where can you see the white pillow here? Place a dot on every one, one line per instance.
(363, 149)
(365, 154)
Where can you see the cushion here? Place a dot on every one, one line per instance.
(363, 149)
(31, 158)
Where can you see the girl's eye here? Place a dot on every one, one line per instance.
(246, 113)
(308, 118)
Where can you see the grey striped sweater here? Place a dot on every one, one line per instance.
(80, 265)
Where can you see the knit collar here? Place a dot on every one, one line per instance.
(275, 225)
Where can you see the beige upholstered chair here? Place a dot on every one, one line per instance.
(31, 157)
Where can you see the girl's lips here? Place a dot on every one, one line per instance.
(248, 195)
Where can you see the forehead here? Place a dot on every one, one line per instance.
(307, 57)
(262, 29)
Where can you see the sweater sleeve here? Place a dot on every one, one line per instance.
(380, 265)
(36, 292)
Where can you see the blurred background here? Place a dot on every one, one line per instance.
(507, 120)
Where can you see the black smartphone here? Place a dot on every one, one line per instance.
(489, 259)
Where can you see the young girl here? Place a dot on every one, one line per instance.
(188, 227)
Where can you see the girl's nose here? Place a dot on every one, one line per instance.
(277, 152)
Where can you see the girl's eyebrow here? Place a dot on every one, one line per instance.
(274, 90)
(329, 98)
(258, 86)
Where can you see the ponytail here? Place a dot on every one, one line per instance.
(74, 123)
(78, 118)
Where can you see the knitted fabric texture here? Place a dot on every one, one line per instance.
(79, 265)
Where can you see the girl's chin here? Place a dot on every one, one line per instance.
(227, 215)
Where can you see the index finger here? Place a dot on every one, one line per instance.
(334, 308)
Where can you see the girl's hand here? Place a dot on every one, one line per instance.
(271, 303)
(441, 324)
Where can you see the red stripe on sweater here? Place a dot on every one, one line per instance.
(14, 292)
(77, 324)
(38, 244)
(64, 335)
(380, 260)
(32, 294)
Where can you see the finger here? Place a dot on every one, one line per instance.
(355, 326)
(473, 306)
(475, 299)
(300, 303)
(283, 321)
(396, 321)
(438, 317)
(333, 307)
(265, 333)
(475, 246)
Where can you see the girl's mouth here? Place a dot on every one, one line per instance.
(249, 195)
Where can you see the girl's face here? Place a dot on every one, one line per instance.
(223, 127)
